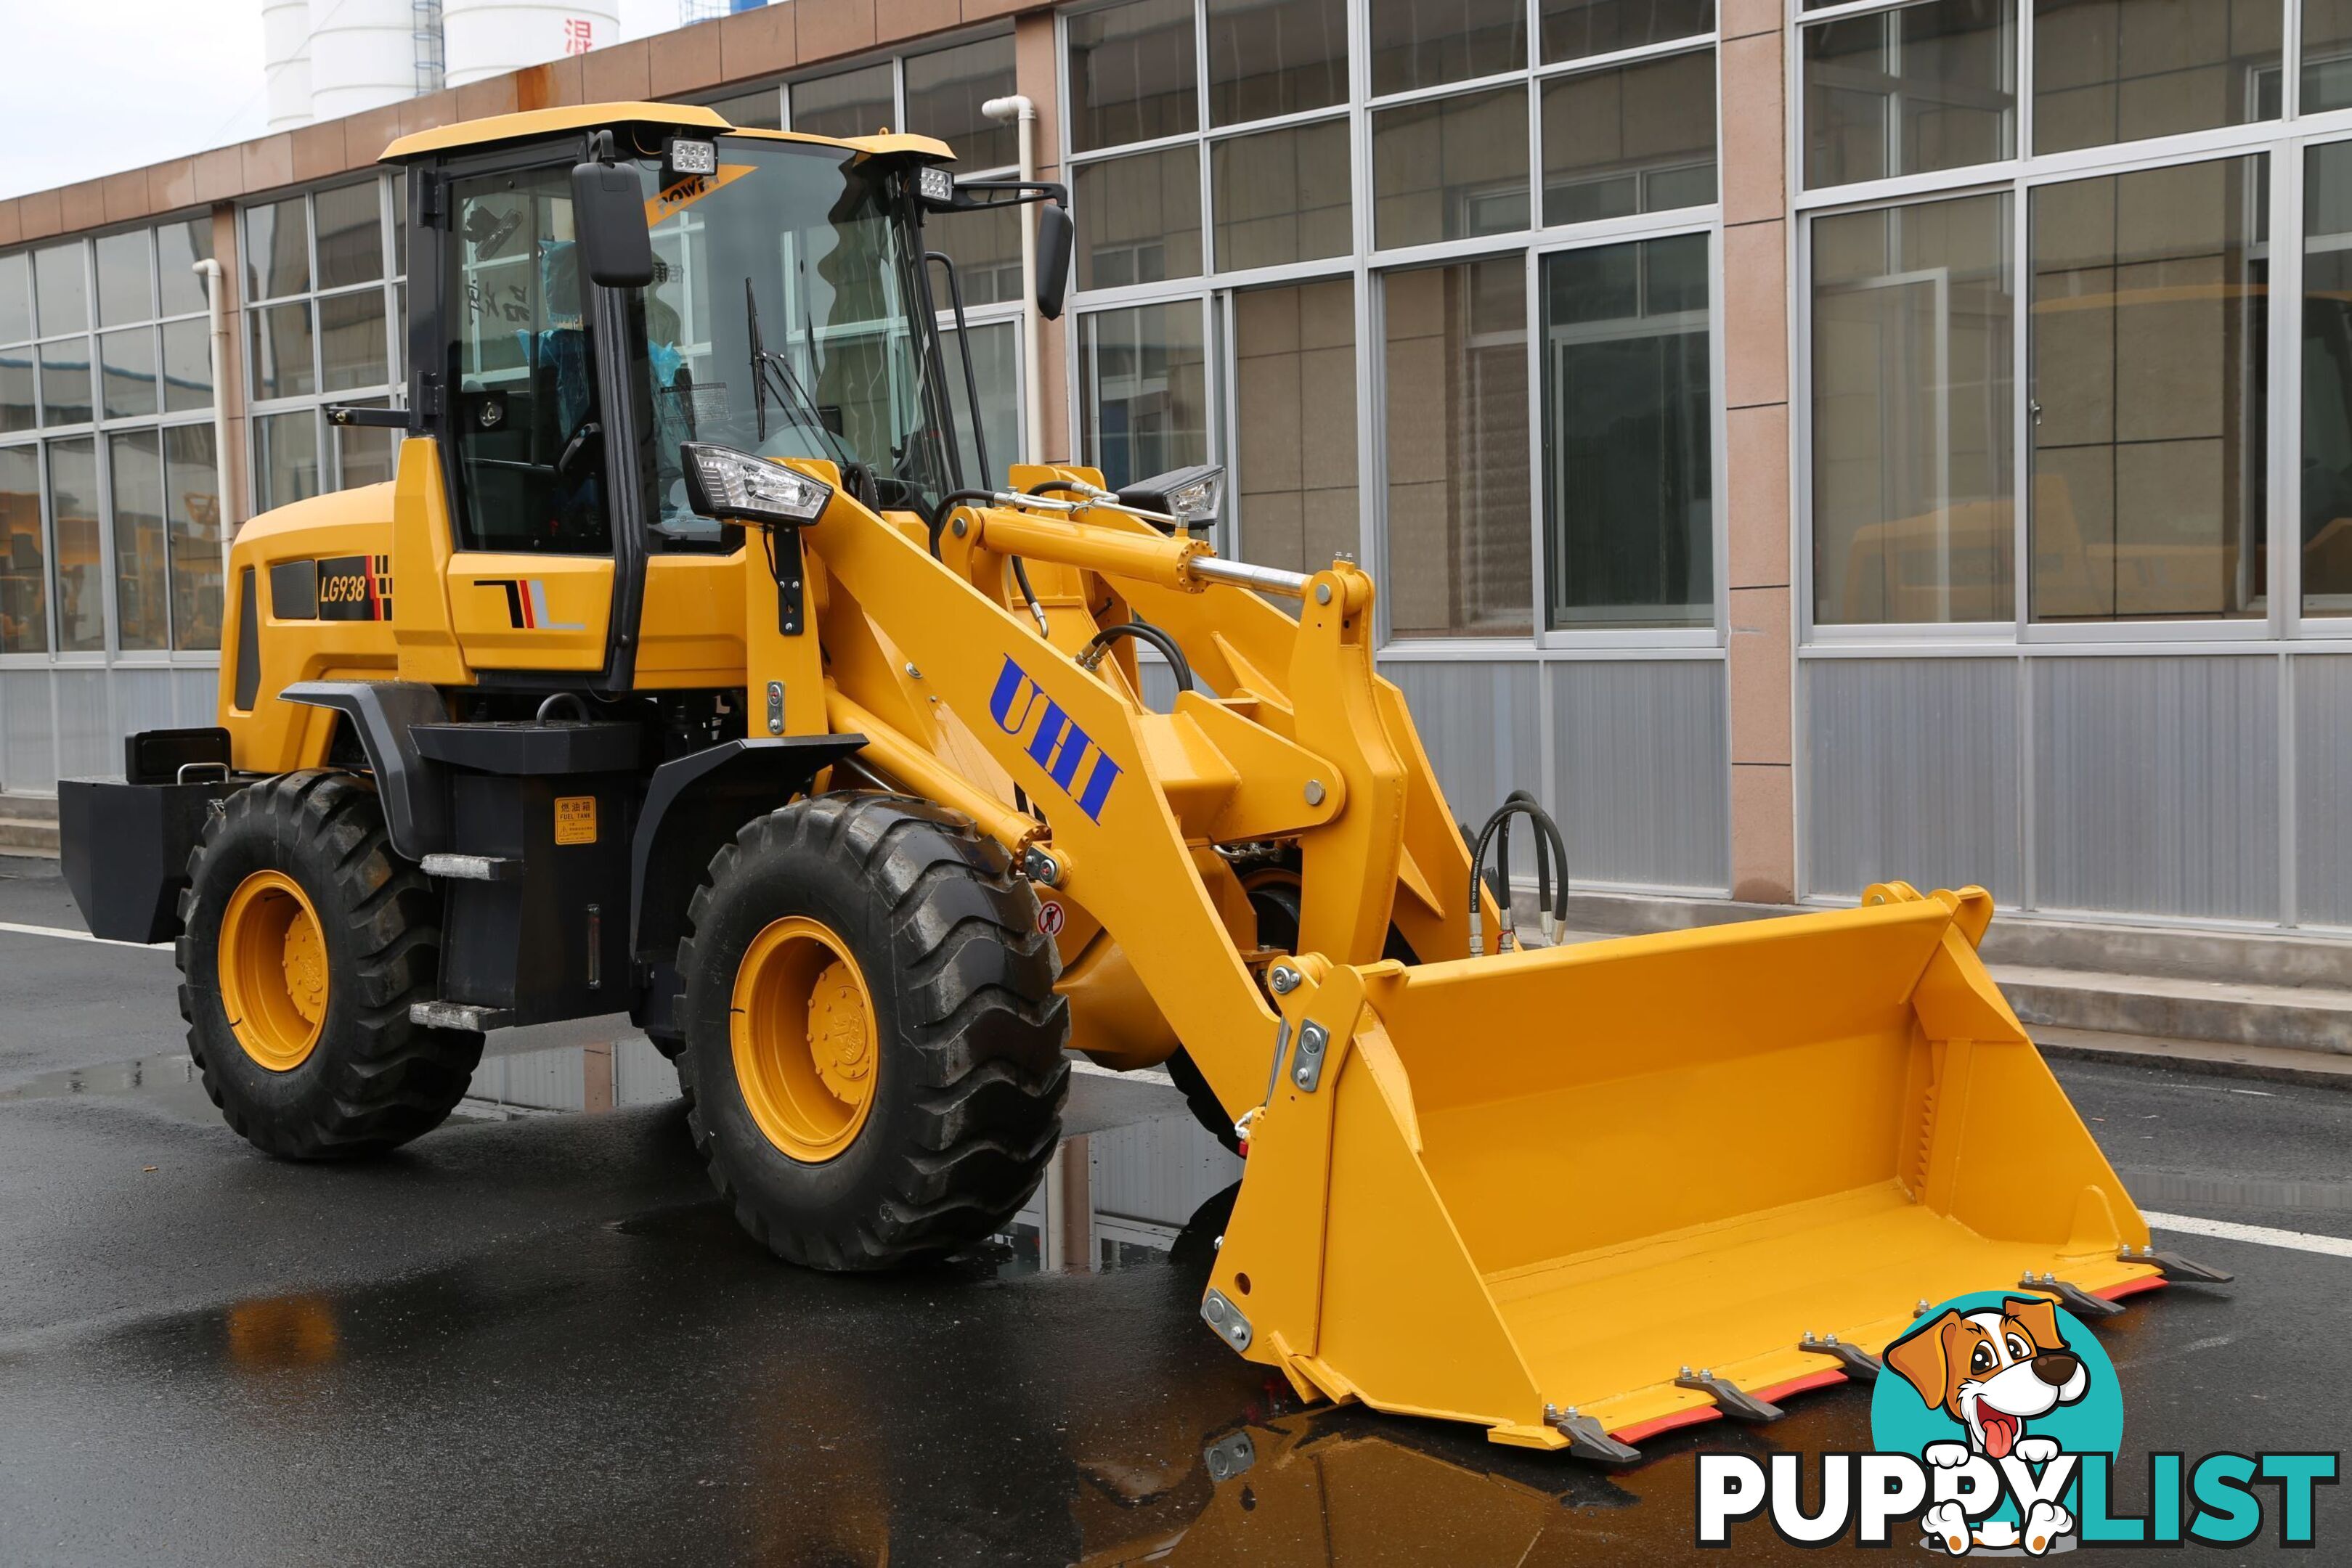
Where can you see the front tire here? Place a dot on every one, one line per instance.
(873, 1055)
(305, 940)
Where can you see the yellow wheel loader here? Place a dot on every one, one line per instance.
(694, 666)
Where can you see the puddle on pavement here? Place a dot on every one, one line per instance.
(1112, 1197)
(601, 1075)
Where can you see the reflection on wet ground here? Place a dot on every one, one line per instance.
(656, 1388)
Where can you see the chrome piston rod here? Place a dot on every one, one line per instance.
(1241, 574)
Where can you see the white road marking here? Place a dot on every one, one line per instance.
(2260, 1234)
(1143, 1074)
(77, 935)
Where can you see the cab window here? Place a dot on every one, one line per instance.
(529, 434)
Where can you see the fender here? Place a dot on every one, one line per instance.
(414, 788)
(694, 805)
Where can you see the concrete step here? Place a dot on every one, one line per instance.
(28, 808)
(2235, 957)
(2317, 1069)
(2299, 1018)
(21, 837)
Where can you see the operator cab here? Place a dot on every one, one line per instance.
(788, 310)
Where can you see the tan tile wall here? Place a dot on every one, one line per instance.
(1034, 71)
(1756, 241)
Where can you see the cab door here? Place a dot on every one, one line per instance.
(531, 576)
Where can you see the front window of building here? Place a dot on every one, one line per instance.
(2045, 375)
(1417, 323)
(110, 500)
(323, 291)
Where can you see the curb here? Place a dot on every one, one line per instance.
(2310, 1069)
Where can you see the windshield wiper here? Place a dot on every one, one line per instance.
(763, 364)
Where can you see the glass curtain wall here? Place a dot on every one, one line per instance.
(109, 503)
(1516, 271)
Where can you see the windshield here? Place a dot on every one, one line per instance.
(782, 320)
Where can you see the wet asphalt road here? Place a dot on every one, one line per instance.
(534, 1338)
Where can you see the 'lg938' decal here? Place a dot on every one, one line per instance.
(1069, 755)
(339, 588)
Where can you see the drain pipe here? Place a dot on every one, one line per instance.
(1021, 108)
(209, 270)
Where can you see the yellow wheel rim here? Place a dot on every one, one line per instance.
(273, 970)
(806, 1038)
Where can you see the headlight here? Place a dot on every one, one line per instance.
(722, 482)
(1191, 495)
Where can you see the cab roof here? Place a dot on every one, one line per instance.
(494, 129)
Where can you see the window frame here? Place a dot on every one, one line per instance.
(99, 429)
(1365, 265)
(2285, 142)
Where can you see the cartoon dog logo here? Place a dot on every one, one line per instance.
(1992, 1372)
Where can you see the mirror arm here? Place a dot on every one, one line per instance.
(1023, 191)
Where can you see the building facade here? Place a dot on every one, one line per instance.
(1807, 444)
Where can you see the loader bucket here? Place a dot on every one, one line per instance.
(1583, 1194)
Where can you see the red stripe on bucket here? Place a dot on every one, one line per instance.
(1690, 1417)
(1811, 1380)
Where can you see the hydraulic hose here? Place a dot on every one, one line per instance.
(1110, 498)
(578, 708)
(1550, 846)
(1551, 910)
(937, 522)
(1142, 632)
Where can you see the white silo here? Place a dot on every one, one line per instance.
(362, 55)
(484, 37)
(286, 61)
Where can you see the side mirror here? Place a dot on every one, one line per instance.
(608, 213)
(1054, 236)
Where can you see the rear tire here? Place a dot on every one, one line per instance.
(873, 1059)
(328, 1066)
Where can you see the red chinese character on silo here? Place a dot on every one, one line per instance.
(579, 35)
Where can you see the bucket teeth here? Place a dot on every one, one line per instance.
(2078, 1300)
(2177, 1270)
(1729, 1397)
(1858, 1363)
(1587, 1439)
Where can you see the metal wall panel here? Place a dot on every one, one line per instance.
(88, 744)
(1644, 771)
(1482, 726)
(197, 694)
(2322, 790)
(2156, 786)
(1911, 775)
(1158, 1171)
(28, 747)
(1158, 684)
(143, 699)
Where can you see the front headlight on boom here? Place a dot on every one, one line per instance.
(722, 482)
